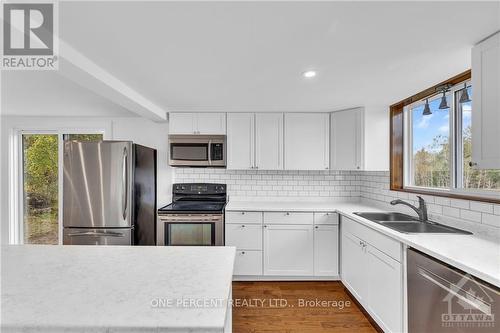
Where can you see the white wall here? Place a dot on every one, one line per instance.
(139, 130)
(376, 138)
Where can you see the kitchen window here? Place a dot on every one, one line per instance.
(431, 145)
(40, 168)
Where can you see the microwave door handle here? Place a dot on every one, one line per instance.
(480, 306)
(209, 152)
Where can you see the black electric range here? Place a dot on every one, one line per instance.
(195, 217)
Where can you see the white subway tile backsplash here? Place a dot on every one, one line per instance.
(464, 204)
(481, 207)
(490, 219)
(470, 215)
(284, 183)
(344, 185)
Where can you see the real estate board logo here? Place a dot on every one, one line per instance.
(469, 306)
(29, 36)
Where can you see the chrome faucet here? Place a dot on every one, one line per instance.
(421, 210)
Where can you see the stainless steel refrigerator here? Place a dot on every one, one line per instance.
(109, 193)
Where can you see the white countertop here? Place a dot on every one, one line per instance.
(474, 255)
(115, 288)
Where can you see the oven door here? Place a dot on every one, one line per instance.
(191, 230)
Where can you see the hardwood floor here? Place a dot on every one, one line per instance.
(279, 307)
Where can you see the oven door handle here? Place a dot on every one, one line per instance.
(480, 306)
(191, 219)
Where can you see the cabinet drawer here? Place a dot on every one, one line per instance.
(248, 263)
(244, 236)
(387, 245)
(326, 218)
(288, 218)
(239, 217)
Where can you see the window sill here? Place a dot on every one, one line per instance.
(447, 194)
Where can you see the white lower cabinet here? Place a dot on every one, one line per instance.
(244, 236)
(288, 250)
(326, 250)
(372, 276)
(385, 297)
(248, 263)
(284, 244)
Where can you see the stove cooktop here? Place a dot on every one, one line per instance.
(188, 207)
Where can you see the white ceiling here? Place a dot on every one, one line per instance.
(46, 93)
(249, 56)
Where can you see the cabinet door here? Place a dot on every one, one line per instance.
(288, 250)
(307, 141)
(354, 266)
(244, 236)
(248, 263)
(269, 141)
(182, 123)
(486, 103)
(326, 250)
(346, 139)
(385, 288)
(240, 141)
(211, 123)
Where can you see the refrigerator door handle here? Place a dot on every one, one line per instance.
(125, 183)
(98, 234)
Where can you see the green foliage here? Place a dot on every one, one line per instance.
(432, 169)
(41, 167)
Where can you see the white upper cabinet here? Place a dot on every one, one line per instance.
(307, 141)
(182, 123)
(197, 123)
(347, 140)
(240, 141)
(255, 141)
(211, 123)
(269, 141)
(486, 103)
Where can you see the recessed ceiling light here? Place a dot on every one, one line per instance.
(309, 74)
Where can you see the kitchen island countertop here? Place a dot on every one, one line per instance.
(115, 288)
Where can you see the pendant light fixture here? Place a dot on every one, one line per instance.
(464, 98)
(427, 108)
(444, 103)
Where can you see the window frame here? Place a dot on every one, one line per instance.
(16, 186)
(399, 140)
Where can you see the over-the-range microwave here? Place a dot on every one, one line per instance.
(197, 150)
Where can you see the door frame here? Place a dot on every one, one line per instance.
(16, 176)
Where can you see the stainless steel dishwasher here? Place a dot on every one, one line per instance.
(442, 298)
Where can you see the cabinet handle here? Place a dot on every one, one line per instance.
(316, 227)
(242, 252)
(242, 225)
(265, 226)
(287, 213)
(472, 164)
(357, 167)
(242, 213)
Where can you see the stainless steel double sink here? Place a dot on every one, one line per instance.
(408, 224)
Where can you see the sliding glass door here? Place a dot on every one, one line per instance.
(41, 166)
